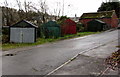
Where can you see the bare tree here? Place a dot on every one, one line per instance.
(27, 8)
(19, 4)
(42, 10)
(57, 10)
(21, 12)
(8, 14)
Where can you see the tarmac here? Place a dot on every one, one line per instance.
(90, 63)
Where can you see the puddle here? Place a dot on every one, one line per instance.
(9, 54)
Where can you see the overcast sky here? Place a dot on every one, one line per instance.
(71, 7)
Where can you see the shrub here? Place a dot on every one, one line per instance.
(80, 27)
(5, 38)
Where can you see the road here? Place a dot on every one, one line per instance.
(44, 58)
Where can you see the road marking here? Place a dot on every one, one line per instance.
(71, 59)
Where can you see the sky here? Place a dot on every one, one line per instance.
(71, 7)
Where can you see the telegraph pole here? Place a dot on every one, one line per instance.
(63, 9)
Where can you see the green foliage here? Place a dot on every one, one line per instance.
(38, 31)
(50, 30)
(5, 31)
(80, 27)
(5, 38)
(62, 19)
(5, 35)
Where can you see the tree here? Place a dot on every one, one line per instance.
(62, 19)
(57, 10)
(108, 6)
(9, 15)
(42, 10)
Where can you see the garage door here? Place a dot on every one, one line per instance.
(22, 35)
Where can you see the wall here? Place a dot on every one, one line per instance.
(114, 21)
(106, 20)
(85, 21)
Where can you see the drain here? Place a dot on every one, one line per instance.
(9, 54)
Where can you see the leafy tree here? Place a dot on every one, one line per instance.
(110, 6)
(62, 19)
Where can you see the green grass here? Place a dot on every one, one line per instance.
(8, 46)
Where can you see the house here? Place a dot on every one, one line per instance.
(76, 19)
(96, 25)
(68, 27)
(51, 29)
(109, 17)
(23, 32)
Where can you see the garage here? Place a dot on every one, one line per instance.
(96, 25)
(23, 32)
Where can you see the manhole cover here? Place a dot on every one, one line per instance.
(9, 54)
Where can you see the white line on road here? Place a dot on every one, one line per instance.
(71, 59)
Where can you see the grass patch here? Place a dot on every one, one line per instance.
(8, 46)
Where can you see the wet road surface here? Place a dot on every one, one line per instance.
(45, 58)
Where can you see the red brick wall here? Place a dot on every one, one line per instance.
(85, 21)
(114, 22)
(107, 20)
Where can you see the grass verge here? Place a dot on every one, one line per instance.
(8, 46)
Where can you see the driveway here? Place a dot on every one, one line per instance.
(43, 59)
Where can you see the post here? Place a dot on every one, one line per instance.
(63, 9)
(1, 41)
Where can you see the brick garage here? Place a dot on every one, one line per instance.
(109, 17)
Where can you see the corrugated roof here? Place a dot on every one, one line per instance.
(30, 23)
(98, 21)
(103, 14)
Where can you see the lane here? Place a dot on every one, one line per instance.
(45, 58)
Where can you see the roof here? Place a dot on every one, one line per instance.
(23, 25)
(51, 24)
(69, 21)
(103, 14)
(98, 21)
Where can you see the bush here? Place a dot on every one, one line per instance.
(80, 27)
(39, 32)
(5, 31)
(5, 34)
(5, 38)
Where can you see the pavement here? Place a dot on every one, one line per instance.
(90, 63)
(66, 57)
